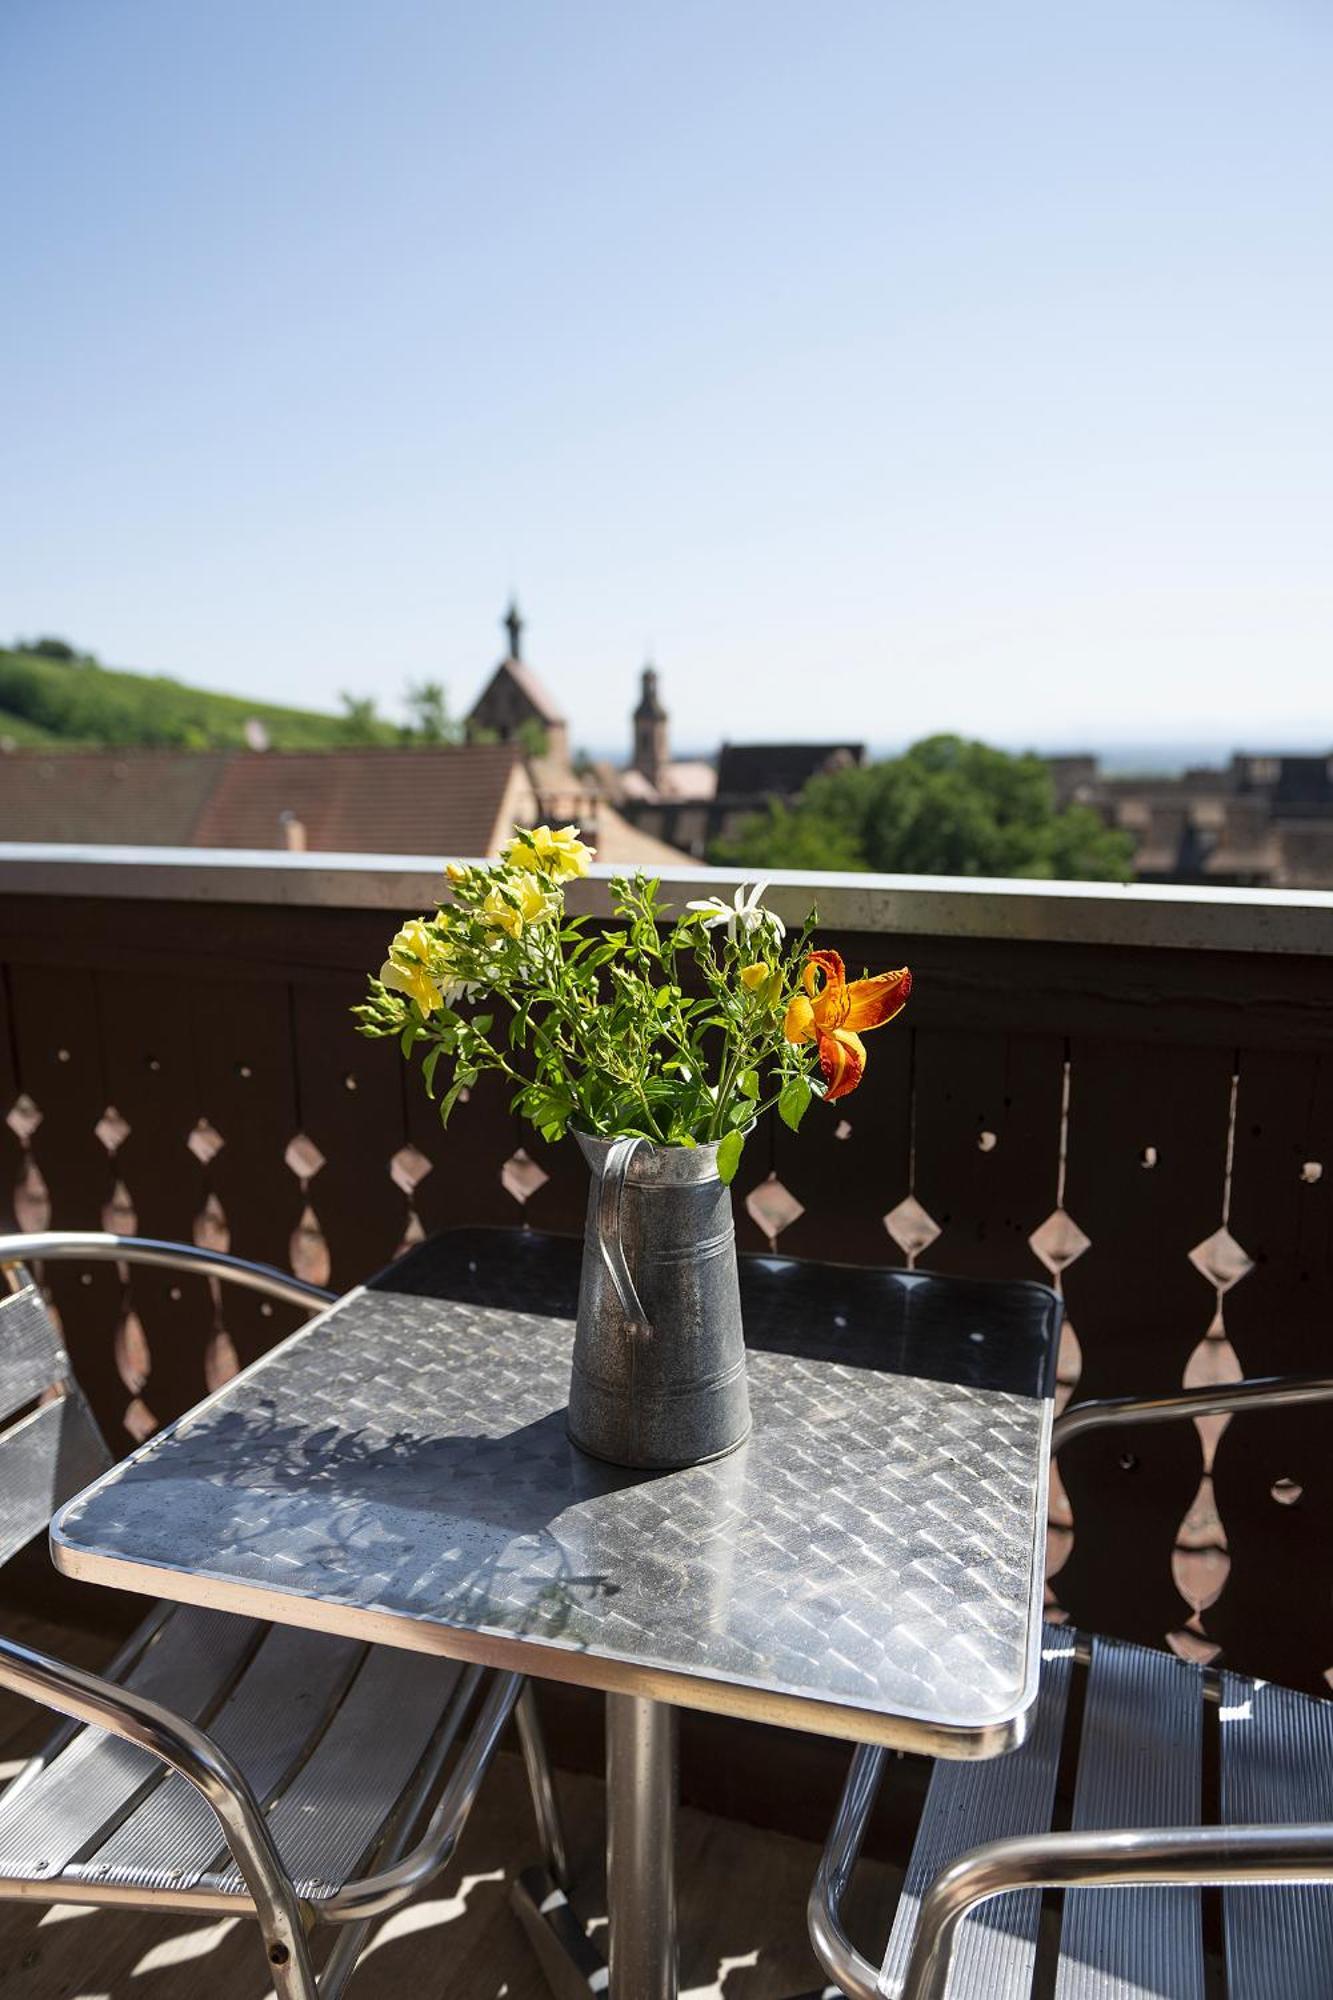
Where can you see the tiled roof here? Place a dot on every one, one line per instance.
(443, 800)
(134, 797)
(437, 800)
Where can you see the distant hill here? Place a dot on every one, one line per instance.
(53, 696)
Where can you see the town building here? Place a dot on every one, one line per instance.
(691, 802)
(1261, 821)
(459, 799)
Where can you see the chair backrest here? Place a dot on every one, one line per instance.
(52, 1447)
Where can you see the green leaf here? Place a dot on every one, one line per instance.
(748, 1082)
(729, 1156)
(428, 1069)
(794, 1101)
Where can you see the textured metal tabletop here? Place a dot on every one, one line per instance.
(867, 1565)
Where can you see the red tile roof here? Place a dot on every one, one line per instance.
(436, 800)
(131, 797)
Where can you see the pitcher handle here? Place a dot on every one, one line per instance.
(609, 1239)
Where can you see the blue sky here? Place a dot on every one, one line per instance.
(883, 367)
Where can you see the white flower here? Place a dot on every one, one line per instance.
(744, 915)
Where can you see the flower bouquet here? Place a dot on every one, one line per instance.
(659, 1041)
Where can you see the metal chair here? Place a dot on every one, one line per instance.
(220, 1764)
(1144, 1728)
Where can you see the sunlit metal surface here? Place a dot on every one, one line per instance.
(864, 1565)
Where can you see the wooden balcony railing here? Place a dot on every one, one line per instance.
(1128, 1092)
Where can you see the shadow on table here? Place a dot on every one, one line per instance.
(345, 1514)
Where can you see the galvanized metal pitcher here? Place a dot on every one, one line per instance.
(659, 1357)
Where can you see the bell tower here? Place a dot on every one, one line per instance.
(652, 753)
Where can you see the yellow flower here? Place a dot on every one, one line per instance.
(518, 905)
(559, 852)
(753, 976)
(456, 871)
(407, 969)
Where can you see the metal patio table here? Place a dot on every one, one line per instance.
(866, 1566)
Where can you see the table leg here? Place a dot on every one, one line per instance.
(641, 1846)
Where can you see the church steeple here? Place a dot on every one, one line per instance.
(652, 752)
(513, 625)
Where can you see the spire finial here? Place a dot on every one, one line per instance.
(513, 625)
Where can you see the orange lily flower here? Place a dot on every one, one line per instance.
(835, 1013)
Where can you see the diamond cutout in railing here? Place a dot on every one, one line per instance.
(412, 1234)
(134, 1357)
(1220, 1259)
(911, 1227)
(32, 1200)
(303, 1157)
(773, 1207)
(308, 1250)
(205, 1142)
(118, 1215)
(221, 1360)
(23, 1117)
(112, 1129)
(521, 1177)
(1058, 1241)
(139, 1421)
(211, 1230)
(409, 1167)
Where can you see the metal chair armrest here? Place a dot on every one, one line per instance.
(1268, 1392)
(94, 1246)
(374, 1895)
(850, 1973)
(86, 1697)
(1189, 1856)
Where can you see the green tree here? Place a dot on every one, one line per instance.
(360, 719)
(47, 648)
(947, 806)
(429, 720)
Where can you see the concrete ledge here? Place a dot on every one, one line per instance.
(1260, 921)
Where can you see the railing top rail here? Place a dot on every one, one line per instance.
(1093, 913)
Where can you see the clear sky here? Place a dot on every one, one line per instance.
(885, 367)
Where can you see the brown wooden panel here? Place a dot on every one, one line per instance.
(850, 1162)
(58, 1046)
(466, 1185)
(151, 1083)
(1139, 1309)
(1278, 1317)
(1226, 1000)
(1273, 1618)
(11, 1150)
(247, 1092)
(359, 1130)
(987, 1147)
(561, 1201)
(1273, 1479)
